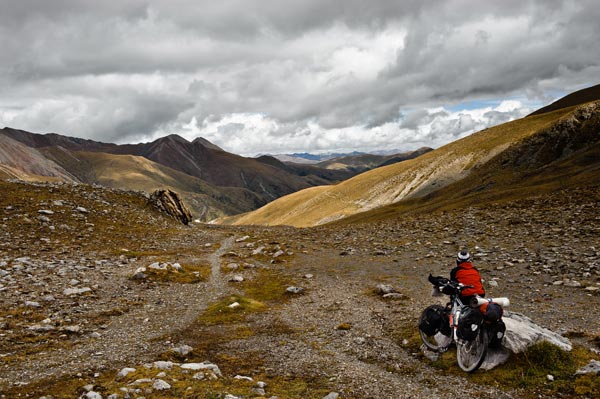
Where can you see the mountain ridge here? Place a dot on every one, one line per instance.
(406, 181)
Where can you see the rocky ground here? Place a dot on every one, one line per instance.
(103, 297)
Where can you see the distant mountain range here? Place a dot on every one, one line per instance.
(213, 182)
(556, 147)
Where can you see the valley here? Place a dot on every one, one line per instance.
(76, 311)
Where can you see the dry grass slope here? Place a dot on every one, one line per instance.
(403, 181)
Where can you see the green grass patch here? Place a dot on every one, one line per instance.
(268, 286)
(223, 313)
(528, 372)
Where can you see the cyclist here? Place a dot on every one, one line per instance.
(465, 273)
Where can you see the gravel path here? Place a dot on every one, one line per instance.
(131, 338)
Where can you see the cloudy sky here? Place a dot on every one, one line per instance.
(282, 76)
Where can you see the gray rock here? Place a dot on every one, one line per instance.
(45, 212)
(92, 395)
(125, 371)
(32, 304)
(294, 290)
(243, 377)
(383, 289)
(332, 395)
(492, 283)
(202, 366)
(140, 273)
(278, 254)
(233, 266)
(161, 385)
(522, 332)
(592, 367)
(44, 219)
(183, 350)
(199, 376)
(76, 329)
(394, 296)
(236, 279)
(76, 291)
(163, 365)
(81, 209)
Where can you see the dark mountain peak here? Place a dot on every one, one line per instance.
(205, 143)
(579, 97)
(172, 138)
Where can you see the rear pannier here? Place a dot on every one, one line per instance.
(469, 323)
(434, 319)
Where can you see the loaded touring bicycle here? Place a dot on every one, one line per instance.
(472, 326)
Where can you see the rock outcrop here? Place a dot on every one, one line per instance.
(169, 202)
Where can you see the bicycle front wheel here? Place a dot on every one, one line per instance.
(437, 343)
(471, 354)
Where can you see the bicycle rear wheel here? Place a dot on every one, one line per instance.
(471, 354)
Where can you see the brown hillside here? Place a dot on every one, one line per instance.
(404, 181)
(131, 172)
(564, 156)
(22, 162)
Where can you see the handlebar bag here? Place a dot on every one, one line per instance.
(469, 323)
(434, 319)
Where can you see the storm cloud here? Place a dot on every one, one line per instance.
(277, 76)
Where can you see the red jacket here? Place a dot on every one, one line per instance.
(466, 274)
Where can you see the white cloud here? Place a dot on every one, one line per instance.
(315, 75)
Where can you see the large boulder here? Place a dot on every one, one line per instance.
(170, 203)
(521, 333)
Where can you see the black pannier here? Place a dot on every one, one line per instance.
(434, 319)
(469, 323)
(497, 330)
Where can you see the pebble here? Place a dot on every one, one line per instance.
(163, 365)
(294, 290)
(183, 350)
(161, 385)
(76, 291)
(125, 371)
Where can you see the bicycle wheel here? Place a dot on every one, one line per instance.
(433, 339)
(437, 343)
(471, 354)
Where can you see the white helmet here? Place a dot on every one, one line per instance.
(463, 256)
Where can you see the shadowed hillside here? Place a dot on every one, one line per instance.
(579, 97)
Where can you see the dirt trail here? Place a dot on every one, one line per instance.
(130, 338)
